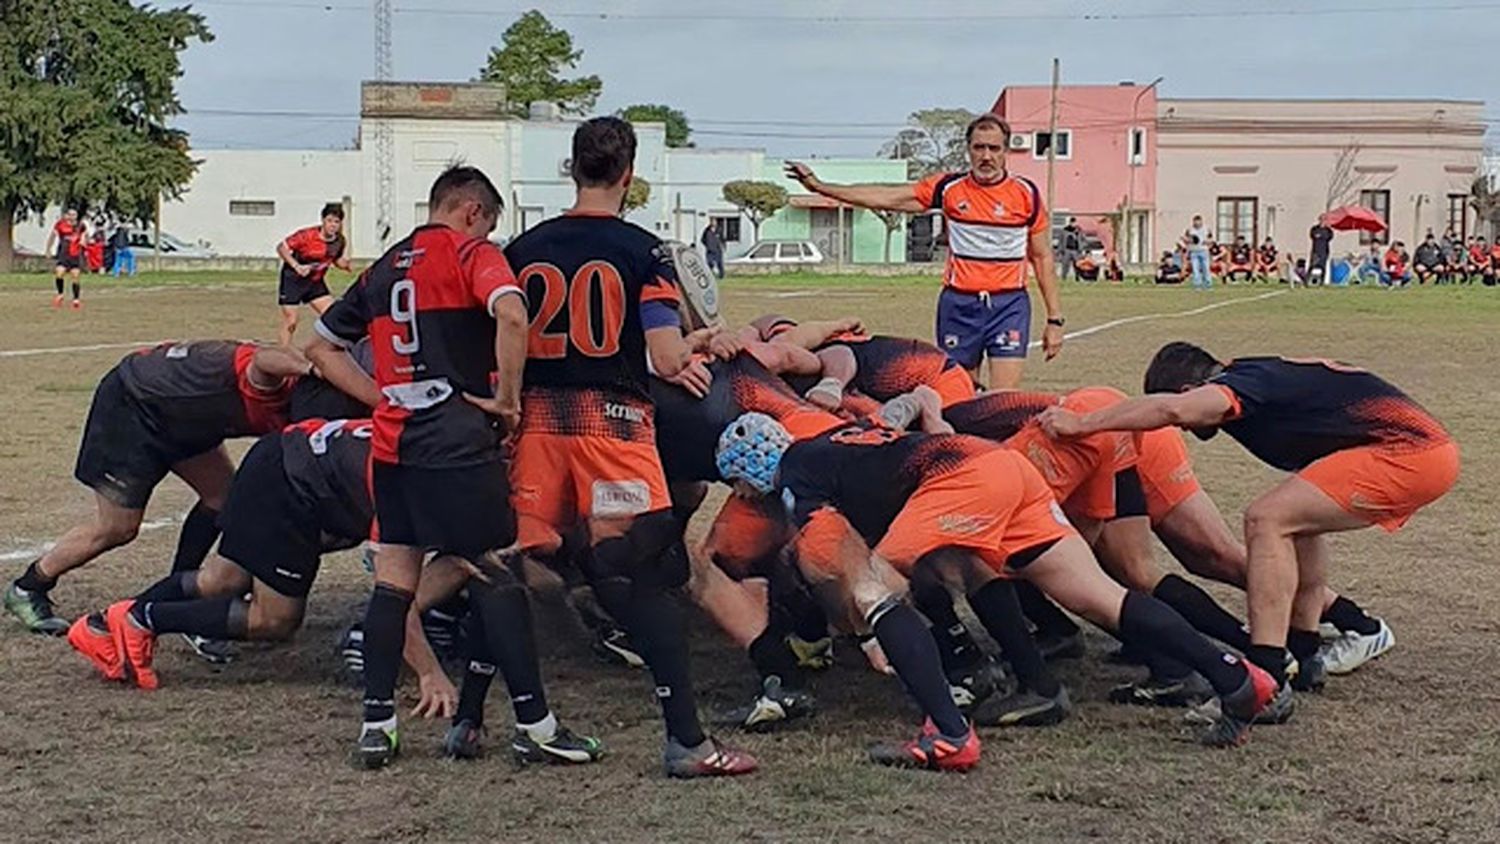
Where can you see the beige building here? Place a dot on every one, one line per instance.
(1269, 167)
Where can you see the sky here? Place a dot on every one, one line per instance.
(831, 77)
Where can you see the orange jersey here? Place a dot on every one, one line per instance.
(989, 228)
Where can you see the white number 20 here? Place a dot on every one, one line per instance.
(404, 312)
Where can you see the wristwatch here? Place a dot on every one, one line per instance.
(1057, 321)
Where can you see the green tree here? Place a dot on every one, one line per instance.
(638, 194)
(1485, 199)
(678, 130)
(893, 221)
(759, 200)
(932, 142)
(532, 54)
(88, 89)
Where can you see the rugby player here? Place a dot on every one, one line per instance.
(603, 297)
(67, 233)
(446, 320)
(1362, 452)
(996, 225)
(306, 254)
(970, 505)
(165, 409)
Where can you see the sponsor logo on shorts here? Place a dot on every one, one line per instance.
(629, 413)
(1181, 474)
(1057, 513)
(288, 574)
(960, 524)
(950, 341)
(1042, 460)
(620, 498)
(1008, 340)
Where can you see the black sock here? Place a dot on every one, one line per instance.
(909, 647)
(1157, 627)
(999, 610)
(77, 290)
(199, 531)
(385, 637)
(1270, 658)
(477, 676)
(1202, 611)
(772, 658)
(957, 648)
(512, 645)
(1350, 618)
(211, 618)
(177, 586)
(32, 580)
(59, 281)
(1303, 644)
(657, 628)
(1048, 617)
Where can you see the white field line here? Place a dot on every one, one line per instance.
(29, 553)
(1116, 323)
(62, 350)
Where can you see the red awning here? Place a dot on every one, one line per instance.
(812, 200)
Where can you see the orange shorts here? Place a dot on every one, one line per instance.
(954, 385)
(1166, 472)
(1384, 485)
(995, 505)
(560, 480)
(745, 532)
(1081, 472)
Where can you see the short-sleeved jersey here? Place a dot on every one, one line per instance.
(1267, 255)
(308, 247)
(890, 366)
(867, 474)
(989, 227)
(999, 415)
(688, 428)
(1240, 253)
(1478, 255)
(427, 306)
(200, 391)
(586, 277)
(1495, 255)
(1291, 413)
(326, 465)
(69, 238)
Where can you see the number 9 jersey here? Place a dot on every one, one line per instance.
(428, 308)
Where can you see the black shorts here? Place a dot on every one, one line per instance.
(1130, 496)
(70, 262)
(123, 456)
(267, 529)
(296, 290)
(463, 510)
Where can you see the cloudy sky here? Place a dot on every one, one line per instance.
(833, 77)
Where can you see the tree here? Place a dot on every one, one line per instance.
(1344, 179)
(87, 99)
(933, 142)
(678, 130)
(532, 54)
(893, 220)
(1485, 199)
(758, 200)
(638, 194)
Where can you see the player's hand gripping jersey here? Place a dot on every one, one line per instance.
(308, 247)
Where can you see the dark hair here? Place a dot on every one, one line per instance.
(461, 182)
(990, 119)
(333, 209)
(1178, 365)
(603, 149)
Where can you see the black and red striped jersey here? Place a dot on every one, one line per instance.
(309, 246)
(587, 278)
(326, 465)
(200, 390)
(427, 306)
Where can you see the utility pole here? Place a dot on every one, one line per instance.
(1129, 226)
(385, 144)
(1052, 134)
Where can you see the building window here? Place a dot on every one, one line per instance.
(252, 208)
(1042, 141)
(1378, 201)
(1237, 217)
(421, 209)
(1137, 146)
(1458, 215)
(729, 227)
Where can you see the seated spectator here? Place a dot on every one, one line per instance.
(1452, 252)
(1169, 269)
(1493, 276)
(1397, 265)
(1086, 268)
(1216, 256)
(1479, 266)
(1427, 264)
(1241, 260)
(1371, 269)
(1300, 272)
(1267, 262)
(1113, 271)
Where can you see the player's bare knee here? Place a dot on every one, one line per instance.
(1264, 520)
(275, 623)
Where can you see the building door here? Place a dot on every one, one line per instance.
(825, 233)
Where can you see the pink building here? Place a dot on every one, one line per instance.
(1105, 160)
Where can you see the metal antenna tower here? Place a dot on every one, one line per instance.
(384, 134)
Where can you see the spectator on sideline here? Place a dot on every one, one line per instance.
(1241, 260)
(1070, 246)
(1452, 250)
(1195, 242)
(1477, 264)
(1169, 269)
(1427, 263)
(1317, 257)
(1371, 268)
(1217, 258)
(1267, 261)
(1397, 266)
(1494, 266)
(1113, 271)
(124, 254)
(94, 250)
(713, 248)
(1086, 267)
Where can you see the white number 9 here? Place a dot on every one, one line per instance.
(404, 312)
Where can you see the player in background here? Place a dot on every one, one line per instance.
(603, 300)
(444, 316)
(1362, 452)
(67, 234)
(165, 409)
(306, 254)
(996, 225)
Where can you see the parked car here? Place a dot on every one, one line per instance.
(141, 242)
(780, 252)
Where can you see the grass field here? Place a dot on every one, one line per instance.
(1406, 750)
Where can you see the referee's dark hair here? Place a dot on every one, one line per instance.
(603, 149)
(1178, 366)
(988, 119)
(462, 182)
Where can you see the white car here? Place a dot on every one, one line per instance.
(780, 252)
(141, 242)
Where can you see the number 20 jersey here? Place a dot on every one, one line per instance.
(427, 306)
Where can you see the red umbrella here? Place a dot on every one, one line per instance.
(1353, 218)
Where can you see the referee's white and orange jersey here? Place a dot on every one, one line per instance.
(988, 228)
